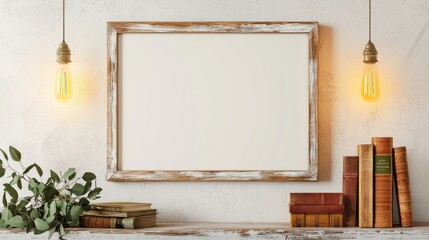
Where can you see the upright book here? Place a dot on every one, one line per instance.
(350, 189)
(403, 186)
(366, 173)
(383, 182)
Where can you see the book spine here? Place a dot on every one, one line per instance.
(336, 220)
(350, 189)
(316, 198)
(317, 220)
(100, 208)
(106, 222)
(297, 220)
(366, 166)
(316, 208)
(403, 186)
(94, 222)
(383, 182)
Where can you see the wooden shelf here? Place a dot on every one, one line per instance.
(234, 231)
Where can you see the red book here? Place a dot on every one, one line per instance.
(383, 193)
(350, 189)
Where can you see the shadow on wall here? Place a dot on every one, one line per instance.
(326, 98)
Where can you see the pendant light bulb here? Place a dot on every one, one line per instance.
(370, 86)
(63, 79)
(370, 89)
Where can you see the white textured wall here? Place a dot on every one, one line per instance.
(59, 136)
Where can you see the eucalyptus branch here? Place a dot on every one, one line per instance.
(56, 203)
(17, 172)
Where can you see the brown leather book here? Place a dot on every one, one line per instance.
(383, 182)
(117, 222)
(366, 186)
(403, 186)
(316, 208)
(350, 189)
(120, 206)
(316, 199)
(119, 214)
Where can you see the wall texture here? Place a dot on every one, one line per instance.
(59, 136)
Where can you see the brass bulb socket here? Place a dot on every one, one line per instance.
(63, 53)
(370, 53)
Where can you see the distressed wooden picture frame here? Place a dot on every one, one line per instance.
(114, 171)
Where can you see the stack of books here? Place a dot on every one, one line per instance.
(367, 185)
(128, 215)
(316, 209)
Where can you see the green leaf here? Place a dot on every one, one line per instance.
(34, 183)
(53, 208)
(39, 170)
(16, 222)
(77, 189)
(22, 204)
(55, 176)
(84, 202)
(41, 187)
(34, 214)
(12, 192)
(38, 232)
(50, 219)
(87, 187)
(41, 225)
(2, 223)
(74, 223)
(93, 193)
(6, 214)
(15, 154)
(2, 171)
(62, 232)
(58, 203)
(63, 207)
(76, 211)
(69, 173)
(72, 176)
(88, 176)
(19, 183)
(30, 225)
(4, 199)
(4, 154)
(45, 210)
(50, 193)
(51, 233)
(28, 169)
(12, 207)
(15, 179)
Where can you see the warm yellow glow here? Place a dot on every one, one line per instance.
(63, 83)
(370, 89)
